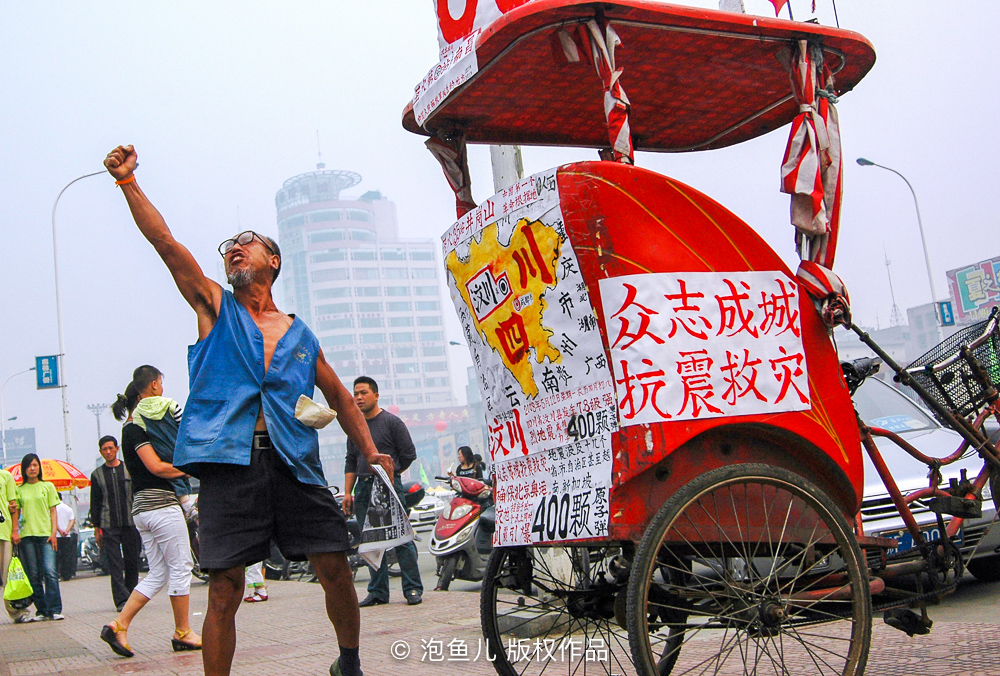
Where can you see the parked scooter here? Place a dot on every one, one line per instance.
(456, 543)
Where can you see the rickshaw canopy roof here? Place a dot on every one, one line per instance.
(697, 79)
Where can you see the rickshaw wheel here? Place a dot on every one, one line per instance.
(749, 568)
(552, 610)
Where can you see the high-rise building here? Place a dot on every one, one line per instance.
(371, 298)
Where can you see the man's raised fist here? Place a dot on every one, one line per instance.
(121, 162)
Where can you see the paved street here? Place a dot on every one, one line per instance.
(290, 634)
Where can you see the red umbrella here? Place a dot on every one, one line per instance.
(57, 472)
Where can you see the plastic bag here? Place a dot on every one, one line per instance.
(18, 587)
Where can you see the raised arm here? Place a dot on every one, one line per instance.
(349, 415)
(201, 293)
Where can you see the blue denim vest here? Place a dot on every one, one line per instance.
(228, 386)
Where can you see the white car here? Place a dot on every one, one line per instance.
(880, 405)
(425, 513)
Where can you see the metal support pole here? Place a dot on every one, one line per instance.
(59, 325)
(920, 224)
(507, 166)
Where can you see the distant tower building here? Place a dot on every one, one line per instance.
(371, 298)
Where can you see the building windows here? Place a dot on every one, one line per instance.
(428, 305)
(340, 292)
(432, 351)
(394, 273)
(319, 236)
(361, 235)
(406, 368)
(378, 368)
(362, 291)
(329, 275)
(398, 306)
(325, 215)
(435, 397)
(405, 399)
(433, 366)
(374, 353)
(431, 336)
(425, 291)
(334, 324)
(397, 291)
(400, 321)
(363, 255)
(295, 221)
(402, 337)
(341, 355)
(365, 273)
(369, 307)
(404, 352)
(435, 382)
(370, 322)
(328, 256)
(393, 255)
(333, 309)
(407, 384)
(336, 341)
(424, 273)
(429, 321)
(359, 215)
(422, 255)
(372, 338)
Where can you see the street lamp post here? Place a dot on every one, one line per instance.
(3, 420)
(920, 224)
(62, 350)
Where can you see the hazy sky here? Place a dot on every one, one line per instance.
(223, 101)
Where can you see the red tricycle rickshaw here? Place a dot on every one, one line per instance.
(678, 463)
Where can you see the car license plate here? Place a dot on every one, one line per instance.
(905, 539)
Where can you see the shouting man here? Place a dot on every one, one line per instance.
(260, 472)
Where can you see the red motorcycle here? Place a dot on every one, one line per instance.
(454, 543)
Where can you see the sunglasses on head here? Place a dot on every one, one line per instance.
(243, 239)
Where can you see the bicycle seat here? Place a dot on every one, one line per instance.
(857, 370)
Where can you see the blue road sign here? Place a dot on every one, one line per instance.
(947, 316)
(47, 372)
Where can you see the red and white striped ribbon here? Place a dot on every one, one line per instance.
(453, 157)
(616, 104)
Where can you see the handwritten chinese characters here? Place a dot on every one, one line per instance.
(546, 383)
(699, 345)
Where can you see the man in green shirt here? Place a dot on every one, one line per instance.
(9, 515)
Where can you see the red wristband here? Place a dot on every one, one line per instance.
(125, 180)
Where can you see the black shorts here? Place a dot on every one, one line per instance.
(242, 508)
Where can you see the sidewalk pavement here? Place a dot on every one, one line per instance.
(290, 634)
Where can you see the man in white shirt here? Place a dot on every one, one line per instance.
(68, 540)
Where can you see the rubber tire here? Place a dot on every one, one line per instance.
(648, 549)
(447, 572)
(985, 568)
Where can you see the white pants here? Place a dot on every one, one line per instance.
(168, 551)
(254, 575)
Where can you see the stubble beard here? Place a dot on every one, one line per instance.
(241, 278)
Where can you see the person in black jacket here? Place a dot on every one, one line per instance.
(111, 514)
(393, 439)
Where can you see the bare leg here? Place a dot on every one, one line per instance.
(182, 624)
(334, 575)
(225, 593)
(135, 603)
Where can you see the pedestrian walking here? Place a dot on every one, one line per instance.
(111, 515)
(157, 515)
(8, 528)
(393, 439)
(260, 470)
(37, 539)
(68, 540)
(256, 587)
